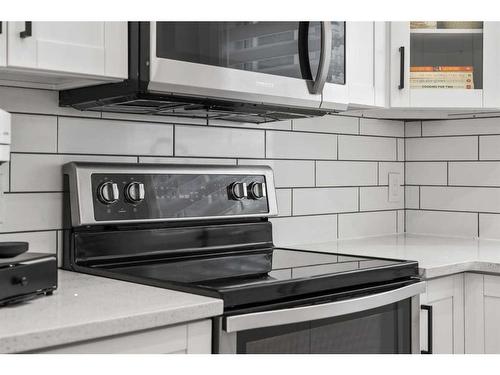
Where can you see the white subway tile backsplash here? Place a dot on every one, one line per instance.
(275, 125)
(327, 124)
(289, 145)
(218, 142)
(477, 199)
(462, 224)
(175, 160)
(91, 136)
(426, 173)
(440, 148)
(375, 198)
(16, 99)
(388, 167)
(345, 173)
(35, 172)
(367, 224)
(401, 221)
(313, 201)
(287, 173)
(304, 229)
(388, 128)
(401, 149)
(153, 118)
(284, 201)
(4, 179)
(474, 173)
(461, 127)
(39, 242)
(489, 226)
(413, 129)
(489, 147)
(412, 197)
(366, 148)
(34, 133)
(32, 211)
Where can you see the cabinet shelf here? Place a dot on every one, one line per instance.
(446, 31)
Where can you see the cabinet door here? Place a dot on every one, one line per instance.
(3, 43)
(443, 64)
(491, 74)
(482, 314)
(446, 296)
(81, 48)
(192, 338)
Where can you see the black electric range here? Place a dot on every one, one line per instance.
(205, 230)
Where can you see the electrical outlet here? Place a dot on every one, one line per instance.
(395, 187)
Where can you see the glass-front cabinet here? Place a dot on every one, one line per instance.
(444, 64)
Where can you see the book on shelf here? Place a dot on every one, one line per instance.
(423, 25)
(442, 77)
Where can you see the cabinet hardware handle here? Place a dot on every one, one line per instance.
(1, 27)
(401, 68)
(315, 85)
(27, 30)
(428, 308)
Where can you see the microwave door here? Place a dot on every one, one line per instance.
(242, 61)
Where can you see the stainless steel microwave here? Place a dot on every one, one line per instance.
(237, 71)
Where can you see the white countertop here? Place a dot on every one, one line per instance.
(436, 256)
(87, 307)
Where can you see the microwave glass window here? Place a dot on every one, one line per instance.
(446, 55)
(264, 47)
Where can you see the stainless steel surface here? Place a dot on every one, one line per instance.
(81, 199)
(324, 59)
(320, 311)
(227, 341)
(415, 324)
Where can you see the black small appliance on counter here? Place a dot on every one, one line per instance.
(24, 276)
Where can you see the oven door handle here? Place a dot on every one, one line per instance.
(321, 311)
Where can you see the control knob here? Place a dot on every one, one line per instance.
(238, 190)
(257, 190)
(134, 192)
(108, 193)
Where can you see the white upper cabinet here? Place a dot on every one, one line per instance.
(3, 44)
(364, 72)
(445, 65)
(63, 54)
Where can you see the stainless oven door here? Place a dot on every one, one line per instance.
(386, 322)
(247, 61)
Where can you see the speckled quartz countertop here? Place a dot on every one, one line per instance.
(436, 256)
(87, 307)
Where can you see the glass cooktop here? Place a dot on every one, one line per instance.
(262, 274)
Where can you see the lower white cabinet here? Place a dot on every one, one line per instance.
(446, 296)
(191, 338)
(482, 313)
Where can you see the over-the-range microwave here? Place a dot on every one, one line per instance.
(238, 71)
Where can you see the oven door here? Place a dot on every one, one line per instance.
(245, 61)
(381, 323)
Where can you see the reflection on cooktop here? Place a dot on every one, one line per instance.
(251, 267)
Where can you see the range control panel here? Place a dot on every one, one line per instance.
(152, 196)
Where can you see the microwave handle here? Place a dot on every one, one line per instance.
(315, 85)
(321, 311)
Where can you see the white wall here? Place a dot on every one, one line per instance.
(331, 172)
(453, 177)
